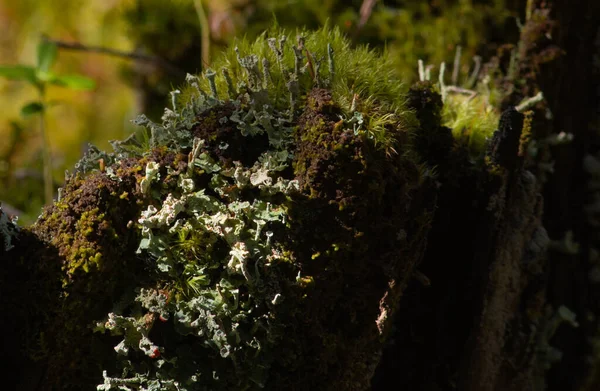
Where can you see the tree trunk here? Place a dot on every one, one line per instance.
(514, 298)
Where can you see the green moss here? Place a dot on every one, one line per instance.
(360, 80)
(526, 135)
(341, 225)
(472, 120)
(95, 248)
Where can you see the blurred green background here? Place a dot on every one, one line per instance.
(175, 37)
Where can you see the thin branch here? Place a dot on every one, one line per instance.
(10, 211)
(460, 90)
(365, 12)
(76, 46)
(463, 91)
(204, 32)
(366, 9)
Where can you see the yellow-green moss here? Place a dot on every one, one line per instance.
(526, 134)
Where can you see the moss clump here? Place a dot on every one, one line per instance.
(276, 213)
(93, 261)
(356, 230)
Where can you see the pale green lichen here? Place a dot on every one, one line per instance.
(151, 175)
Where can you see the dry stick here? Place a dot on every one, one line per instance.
(462, 91)
(366, 9)
(117, 53)
(204, 32)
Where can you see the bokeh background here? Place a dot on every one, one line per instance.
(175, 37)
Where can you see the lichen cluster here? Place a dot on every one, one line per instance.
(277, 212)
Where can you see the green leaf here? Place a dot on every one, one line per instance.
(19, 72)
(31, 109)
(46, 55)
(45, 77)
(75, 82)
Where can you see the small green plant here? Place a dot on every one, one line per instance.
(41, 77)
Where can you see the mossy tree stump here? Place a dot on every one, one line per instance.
(298, 221)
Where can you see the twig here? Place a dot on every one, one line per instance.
(117, 53)
(10, 210)
(204, 32)
(462, 91)
(428, 69)
(366, 9)
(365, 12)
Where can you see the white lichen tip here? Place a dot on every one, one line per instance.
(151, 174)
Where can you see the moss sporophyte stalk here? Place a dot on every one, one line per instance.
(276, 213)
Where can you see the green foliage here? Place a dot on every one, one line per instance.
(41, 77)
(46, 56)
(31, 109)
(19, 72)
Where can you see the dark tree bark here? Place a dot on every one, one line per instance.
(505, 286)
